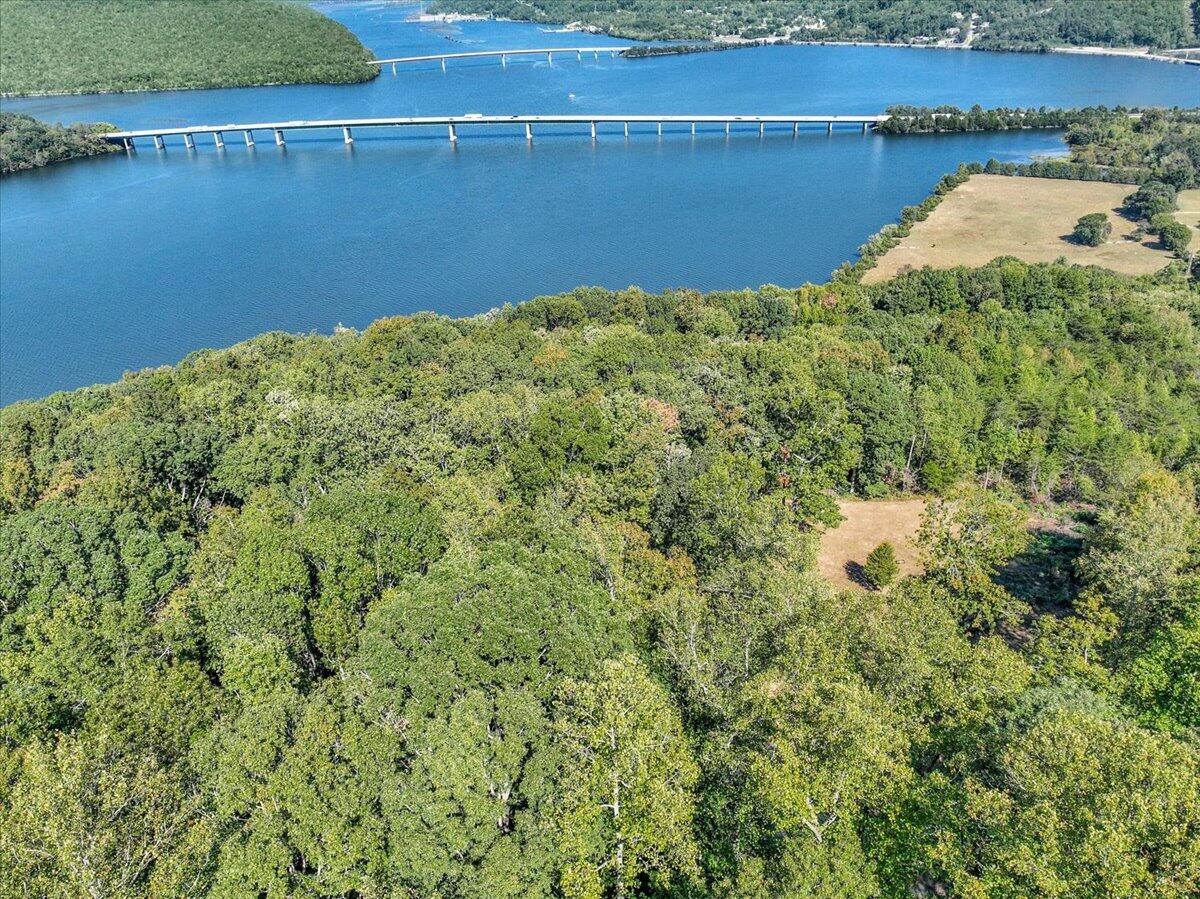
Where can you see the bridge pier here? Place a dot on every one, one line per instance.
(249, 136)
(727, 128)
(693, 129)
(128, 142)
(626, 131)
(189, 142)
(347, 136)
(660, 129)
(159, 144)
(503, 60)
(453, 134)
(279, 142)
(761, 128)
(528, 131)
(550, 58)
(219, 140)
(829, 127)
(443, 63)
(393, 70)
(864, 127)
(579, 55)
(795, 128)
(593, 130)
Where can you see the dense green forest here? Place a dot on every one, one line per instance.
(990, 24)
(26, 143)
(81, 46)
(524, 604)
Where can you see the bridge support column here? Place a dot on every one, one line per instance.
(550, 58)
(864, 127)
(693, 129)
(393, 70)
(528, 131)
(795, 128)
(660, 129)
(596, 55)
(503, 60)
(189, 142)
(829, 127)
(579, 55)
(249, 136)
(727, 129)
(627, 131)
(762, 126)
(443, 63)
(453, 134)
(158, 142)
(347, 136)
(278, 138)
(219, 140)
(593, 130)
(127, 142)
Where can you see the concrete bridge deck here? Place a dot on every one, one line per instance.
(452, 123)
(479, 54)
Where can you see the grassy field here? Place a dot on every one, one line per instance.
(1189, 211)
(866, 525)
(1030, 218)
(80, 46)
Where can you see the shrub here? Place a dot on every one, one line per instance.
(1150, 199)
(881, 567)
(1175, 236)
(1092, 229)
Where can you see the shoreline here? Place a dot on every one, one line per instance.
(727, 41)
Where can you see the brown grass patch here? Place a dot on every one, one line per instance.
(1189, 211)
(1029, 218)
(867, 524)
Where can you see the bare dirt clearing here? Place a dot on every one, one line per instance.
(1029, 218)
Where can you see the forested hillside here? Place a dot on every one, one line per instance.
(524, 605)
(996, 24)
(26, 143)
(81, 46)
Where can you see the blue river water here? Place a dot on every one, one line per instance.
(136, 260)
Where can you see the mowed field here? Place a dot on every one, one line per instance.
(867, 524)
(1029, 218)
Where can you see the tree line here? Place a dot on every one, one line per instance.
(525, 604)
(998, 25)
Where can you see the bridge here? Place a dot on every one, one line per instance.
(548, 52)
(453, 123)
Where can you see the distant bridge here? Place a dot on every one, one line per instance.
(453, 123)
(548, 52)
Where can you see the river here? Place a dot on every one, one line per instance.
(136, 260)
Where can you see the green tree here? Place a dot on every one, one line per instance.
(881, 567)
(626, 807)
(1092, 229)
(1151, 199)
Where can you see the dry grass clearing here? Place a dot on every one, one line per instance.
(867, 524)
(1189, 211)
(1029, 218)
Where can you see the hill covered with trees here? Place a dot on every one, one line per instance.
(83, 46)
(998, 24)
(524, 604)
(26, 143)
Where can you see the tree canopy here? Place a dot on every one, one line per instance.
(526, 605)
